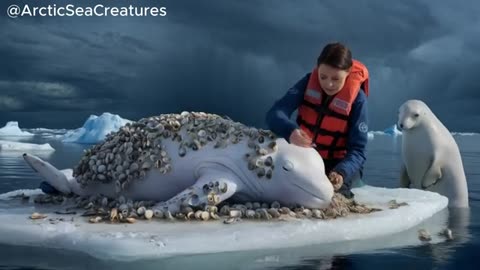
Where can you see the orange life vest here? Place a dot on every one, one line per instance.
(325, 118)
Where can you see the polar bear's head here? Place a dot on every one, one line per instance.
(411, 114)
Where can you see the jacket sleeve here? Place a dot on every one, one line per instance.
(278, 117)
(357, 140)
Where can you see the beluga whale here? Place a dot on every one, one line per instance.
(431, 159)
(194, 159)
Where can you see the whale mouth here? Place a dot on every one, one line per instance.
(309, 192)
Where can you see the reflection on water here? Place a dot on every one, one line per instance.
(392, 252)
(426, 256)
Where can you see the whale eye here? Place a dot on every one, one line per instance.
(416, 115)
(288, 166)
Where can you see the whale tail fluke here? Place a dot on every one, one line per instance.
(58, 179)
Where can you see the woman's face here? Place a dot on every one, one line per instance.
(331, 79)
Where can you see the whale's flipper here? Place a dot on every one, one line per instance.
(59, 179)
(432, 175)
(404, 179)
(210, 189)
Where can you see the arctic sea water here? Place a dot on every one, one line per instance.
(382, 169)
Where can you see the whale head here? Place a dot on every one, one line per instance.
(411, 114)
(299, 177)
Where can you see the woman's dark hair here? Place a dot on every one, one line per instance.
(336, 55)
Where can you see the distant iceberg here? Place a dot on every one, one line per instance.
(95, 129)
(46, 130)
(390, 131)
(21, 146)
(12, 129)
(393, 130)
(464, 133)
(48, 133)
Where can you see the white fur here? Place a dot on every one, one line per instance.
(430, 155)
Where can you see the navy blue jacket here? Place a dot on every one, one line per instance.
(278, 120)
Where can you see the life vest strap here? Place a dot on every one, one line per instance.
(330, 147)
(324, 110)
(331, 151)
(321, 131)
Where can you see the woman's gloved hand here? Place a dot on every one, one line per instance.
(300, 138)
(336, 179)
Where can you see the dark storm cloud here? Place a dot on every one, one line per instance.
(237, 57)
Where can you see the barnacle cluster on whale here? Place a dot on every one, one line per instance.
(126, 155)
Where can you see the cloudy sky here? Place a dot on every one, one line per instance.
(235, 57)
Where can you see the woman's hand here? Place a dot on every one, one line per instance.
(336, 179)
(300, 138)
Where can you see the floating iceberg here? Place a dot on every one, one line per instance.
(40, 131)
(161, 238)
(393, 130)
(48, 133)
(464, 133)
(390, 131)
(21, 146)
(95, 129)
(12, 129)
